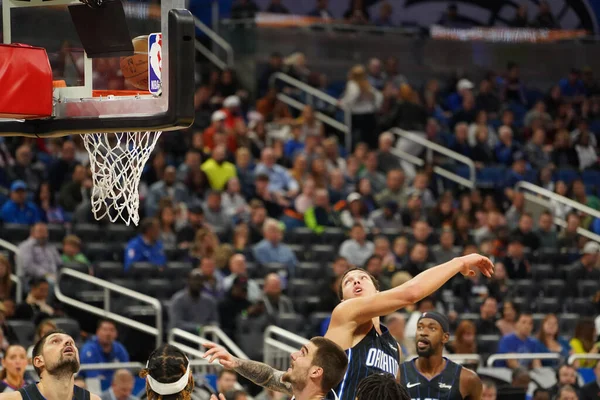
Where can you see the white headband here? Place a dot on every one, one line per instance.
(165, 389)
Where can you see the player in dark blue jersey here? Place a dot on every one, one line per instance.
(355, 324)
(432, 376)
(56, 361)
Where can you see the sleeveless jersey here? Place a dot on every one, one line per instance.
(374, 354)
(31, 392)
(444, 386)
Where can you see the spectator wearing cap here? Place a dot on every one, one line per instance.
(280, 181)
(194, 222)
(167, 187)
(387, 217)
(72, 251)
(507, 147)
(18, 210)
(525, 232)
(355, 212)
(320, 215)
(216, 127)
(232, 107)
(218, 169)
(35, 257)
(455, 100)
(191, 308)
(584, 269)
(357, 249)
(394, 188)
(272, 250)
(146, 247)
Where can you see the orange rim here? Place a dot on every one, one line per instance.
(104, 93)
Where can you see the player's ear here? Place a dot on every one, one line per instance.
(446, 338)
(38, 362)
(316, 372)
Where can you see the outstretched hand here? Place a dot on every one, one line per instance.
(218, 352)
(476, 261)
(214, 397)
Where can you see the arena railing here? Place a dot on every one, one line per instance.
(543, 197)
(312, 93)
(216, 335)
(279, 344)
(14, 276)
(434, 147)
(218, 40)
(583, 356)
(520, 356)
(107, 288)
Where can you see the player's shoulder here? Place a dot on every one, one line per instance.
(11, 396)
(469, 379)
(94, 397)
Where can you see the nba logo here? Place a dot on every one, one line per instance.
(155, 63)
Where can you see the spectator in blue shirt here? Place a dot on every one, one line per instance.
(507, 147)
(521, 342)
(18, 210)
(572, 87)
(271, 250)
(103, 348)
(280, 180)
(146, 247)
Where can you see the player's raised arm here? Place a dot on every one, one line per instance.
(359, 310)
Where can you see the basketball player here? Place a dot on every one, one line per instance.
(168, 374)
(381, 387)
(431, 376)
(56, 361)
(355, 324)
(314, 371)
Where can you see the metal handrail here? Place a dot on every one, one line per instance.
(582, 356)
(105, 312)
(177, 332)
(275, 330)
(520, 356)
(345, 128)
(19, 287)
(550, 195)
(219, 41)
(411, 158)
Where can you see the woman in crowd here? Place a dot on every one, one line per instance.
(584, 341)
(166, 219)
(12, 375)
(509, 312)
(465, 342)
(551, 342)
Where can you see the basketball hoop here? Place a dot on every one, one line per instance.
(117, 161)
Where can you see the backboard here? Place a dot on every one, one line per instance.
(96, 97)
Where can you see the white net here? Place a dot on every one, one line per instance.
(117, 161)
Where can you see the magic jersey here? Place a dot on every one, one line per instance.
(374, 354)
(444, 386)
(31, 392)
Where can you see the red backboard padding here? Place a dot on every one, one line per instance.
(25, 81)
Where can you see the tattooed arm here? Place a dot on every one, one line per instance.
(257, 372)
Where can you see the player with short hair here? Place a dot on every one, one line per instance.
(431, 375)
(355, 324)
(381, 387)
(56, 361)
(314, 371)
(168, 375)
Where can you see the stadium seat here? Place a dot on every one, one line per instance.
(469, 317)
(583, 307)
(162, 289)
(70, 326)
(591, 177)
(120, 233)
(175, 254)
(291, 322)
(525, 288)
(310, 270)
(108, 270)
(553, 288)
(548, 305)
(249, 335)
(302, 288)
(323, 252)
(567, 175)
(274, 267)
(253, 270)
(23, 330)
(88, 232)
(178, 269)
(307, 305)
(302, 236)
(542, 272)
(299, 251)
(490, 176)
(588, 289)
(487, 344)
(56, 232)
(567, 322)
(15, 233)
(315, 321)
(333, 236)
(80, 267)
(143, 270)
(98, 252)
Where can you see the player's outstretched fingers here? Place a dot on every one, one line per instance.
(214, 397)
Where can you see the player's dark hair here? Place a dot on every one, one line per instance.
(332, 358)
(341, 286)
(38, 347)
(167, 364)
(381, 387)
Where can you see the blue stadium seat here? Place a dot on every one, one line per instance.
(490, 176)
(567, 175)
(591, 177)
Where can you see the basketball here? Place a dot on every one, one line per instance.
(135, 67)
